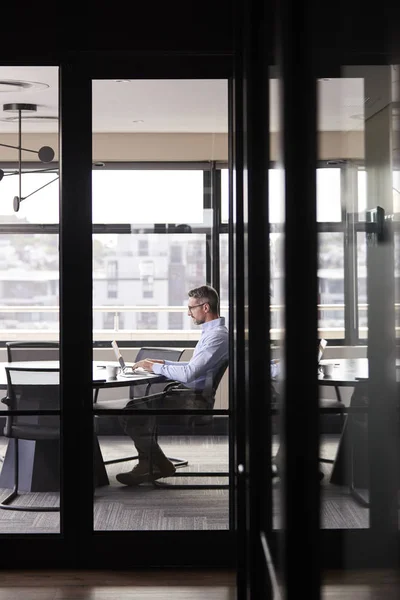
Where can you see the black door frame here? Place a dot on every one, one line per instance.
(114, 550)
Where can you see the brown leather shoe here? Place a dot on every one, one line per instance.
(139, 474)
(164, 468)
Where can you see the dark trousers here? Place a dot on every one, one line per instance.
(142, 428)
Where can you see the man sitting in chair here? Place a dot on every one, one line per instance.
(196, 375)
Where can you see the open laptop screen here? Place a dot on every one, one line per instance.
(322, 344)
(118, 354)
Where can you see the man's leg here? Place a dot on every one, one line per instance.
(141, 429)
(153, 464)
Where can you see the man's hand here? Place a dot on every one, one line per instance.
(146, 364)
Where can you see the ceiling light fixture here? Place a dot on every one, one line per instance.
(15, 85)
(45, 153)
(138, 121)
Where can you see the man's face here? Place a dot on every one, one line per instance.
(197, 310)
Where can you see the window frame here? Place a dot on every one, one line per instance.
(349, 226)
(211, 200)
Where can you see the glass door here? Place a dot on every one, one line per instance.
(159, 245)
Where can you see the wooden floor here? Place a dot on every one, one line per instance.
(179, 585)
(103, 585)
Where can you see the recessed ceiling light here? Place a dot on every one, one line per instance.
(123, 80)
(14, 85)
(138, 121)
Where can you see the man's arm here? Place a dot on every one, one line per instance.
(146, 363)
(199, 365)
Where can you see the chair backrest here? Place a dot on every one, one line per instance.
(30, 351)
(32, 390)
(154, 352)
(196, 420)
(161, 353)
(218, 377)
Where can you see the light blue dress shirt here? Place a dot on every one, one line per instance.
(210, 352)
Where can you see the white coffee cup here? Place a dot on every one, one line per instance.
(111, 372)
(327, 369)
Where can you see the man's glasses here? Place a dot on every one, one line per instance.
(190, 308)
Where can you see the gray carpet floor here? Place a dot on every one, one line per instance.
(147, 508)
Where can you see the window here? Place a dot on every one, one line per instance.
(29, 283)
(41, 208)
(331, 284)
(143, 247)
(147, 320)
(148, 196)
(148, 286)
(174, 263)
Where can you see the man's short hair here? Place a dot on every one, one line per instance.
(206, 293)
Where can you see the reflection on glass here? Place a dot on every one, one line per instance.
(224, 276)
(340, 190)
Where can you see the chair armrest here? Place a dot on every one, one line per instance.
(181, 391)
(171, 385)
(122, 404)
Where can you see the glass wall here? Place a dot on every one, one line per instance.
(29, 301)
(158, 233)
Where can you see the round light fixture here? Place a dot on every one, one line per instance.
(14, 85)
(30, 118)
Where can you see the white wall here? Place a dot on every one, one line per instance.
(115, 147)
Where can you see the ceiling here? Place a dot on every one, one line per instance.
(169, 105)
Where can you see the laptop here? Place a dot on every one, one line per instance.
(125, 370)
(322, 344)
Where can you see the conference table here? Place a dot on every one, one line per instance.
(347, 371)
(39, 468)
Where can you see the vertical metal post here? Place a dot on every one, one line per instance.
(76, 311)
(300, 490)
(20, 154)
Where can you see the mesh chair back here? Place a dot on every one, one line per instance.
(161, 353)
(32, 351)
(218, 376)
(32, 390)
(207, 419)
(150, 352)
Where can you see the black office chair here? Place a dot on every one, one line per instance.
(28, 351)
(26, 392)
(335, 406)
(173, 354)
(193, 422)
